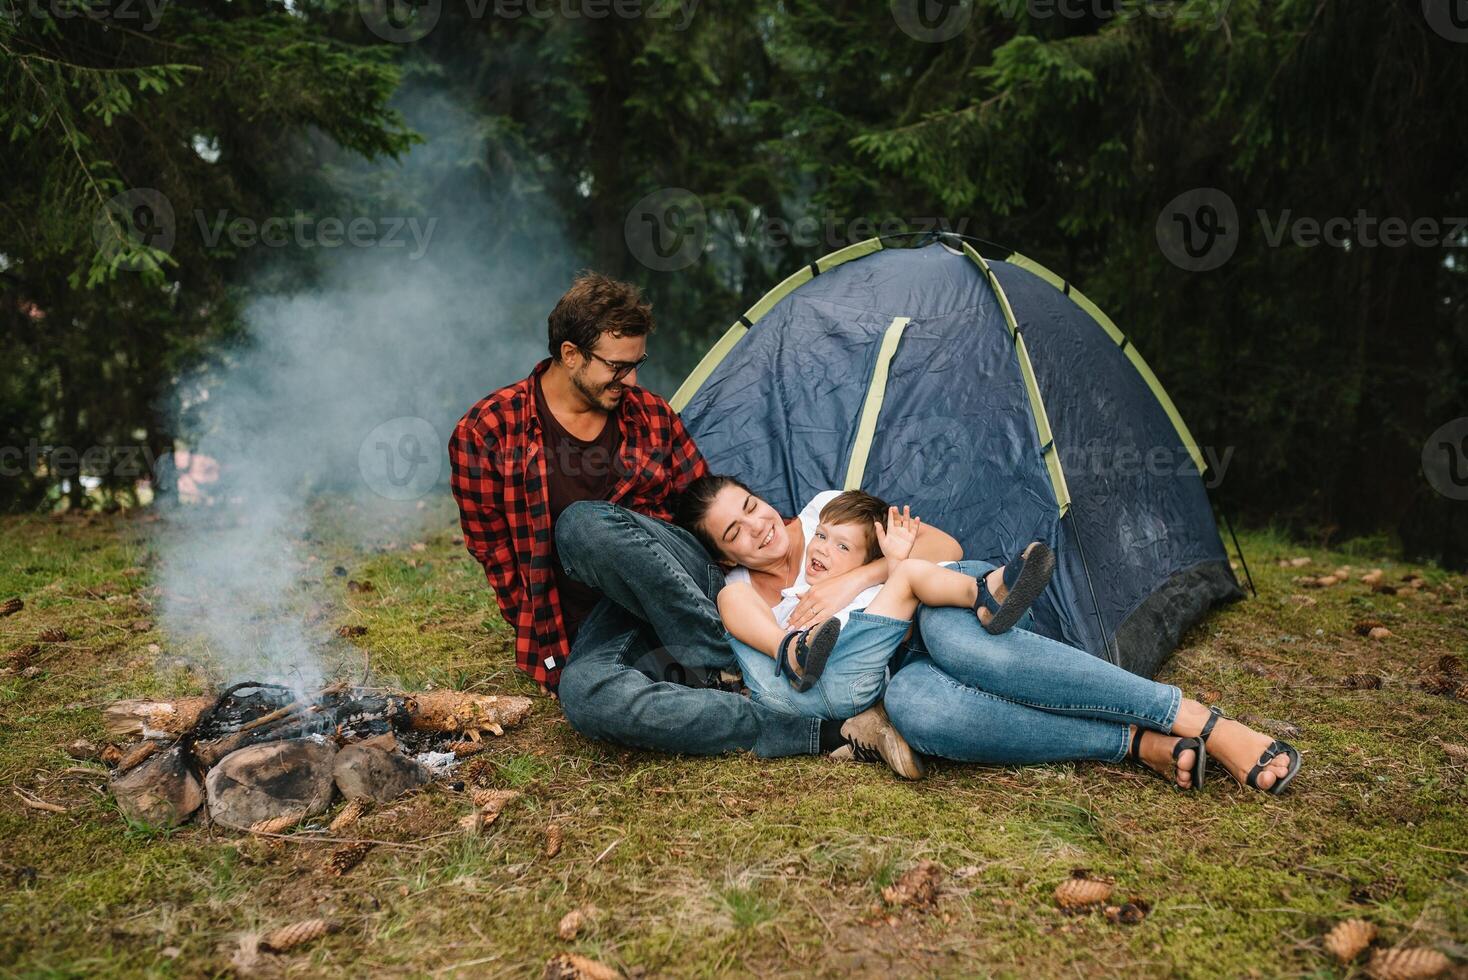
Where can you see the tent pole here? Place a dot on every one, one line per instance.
(1237, 550)
(1095, 605)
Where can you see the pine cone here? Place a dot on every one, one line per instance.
(918, 886)
(1458, 753)
(110, 756)
(494, 800)
(1409, 963)
(465, 748)
(364, 586)
(571, 924)
(1450, 665)
(276, 825)
(1439, 684)
(262, 850)
(1127, 915)
(1365, 626)
(1361, 682)
(53, 635)
(10, 607)
(350, 814)
(1082, 892)
(1346, 941)
(478, 771)
(571, 966)
(21, 657)
(296, 934)
(488, 803)
(1462, 692)
(553, 840)
(350, 631)
(83, 750)
(348, 856)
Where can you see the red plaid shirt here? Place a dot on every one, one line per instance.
(499, 479)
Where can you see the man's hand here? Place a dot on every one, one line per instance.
(548, 691)
(900, 534)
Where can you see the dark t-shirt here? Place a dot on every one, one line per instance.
(576, 469)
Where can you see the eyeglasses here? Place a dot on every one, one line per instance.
(620, 369)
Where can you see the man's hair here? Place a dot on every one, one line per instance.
(597, 304)
(692, 506)
(860, 508)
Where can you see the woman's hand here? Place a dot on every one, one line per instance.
(825, 599)
(900, 534)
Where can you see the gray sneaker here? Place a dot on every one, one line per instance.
(870, 737)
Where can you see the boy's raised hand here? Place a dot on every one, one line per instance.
(898, 537)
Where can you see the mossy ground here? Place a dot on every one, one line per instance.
(735, 865)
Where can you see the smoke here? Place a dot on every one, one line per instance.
(338, 404)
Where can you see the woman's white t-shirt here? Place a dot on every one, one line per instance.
(809, 517)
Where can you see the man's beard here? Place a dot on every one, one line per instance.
(598, 394)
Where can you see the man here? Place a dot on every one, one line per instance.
(565, 482)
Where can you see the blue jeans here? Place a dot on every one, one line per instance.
(622, 684)
(853, 679)
(1017, 698)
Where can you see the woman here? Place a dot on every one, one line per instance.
(972, 696)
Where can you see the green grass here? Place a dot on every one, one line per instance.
(736, 865)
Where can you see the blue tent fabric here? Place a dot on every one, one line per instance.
(1139, 555)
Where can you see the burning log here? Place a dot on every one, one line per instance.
(139, 754)
(149, 719)
(270, 754)
(461, 711)
(265, 729)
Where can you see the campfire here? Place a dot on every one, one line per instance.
(264, 758)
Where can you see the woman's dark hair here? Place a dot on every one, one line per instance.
(597, 304)
(692, 506)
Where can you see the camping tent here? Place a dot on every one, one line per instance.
(998, 402)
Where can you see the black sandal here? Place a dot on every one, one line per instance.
(811, 653)
(1275, 749)
(1025, 577)
(1183, 744)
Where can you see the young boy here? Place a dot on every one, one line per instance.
(838, 668)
